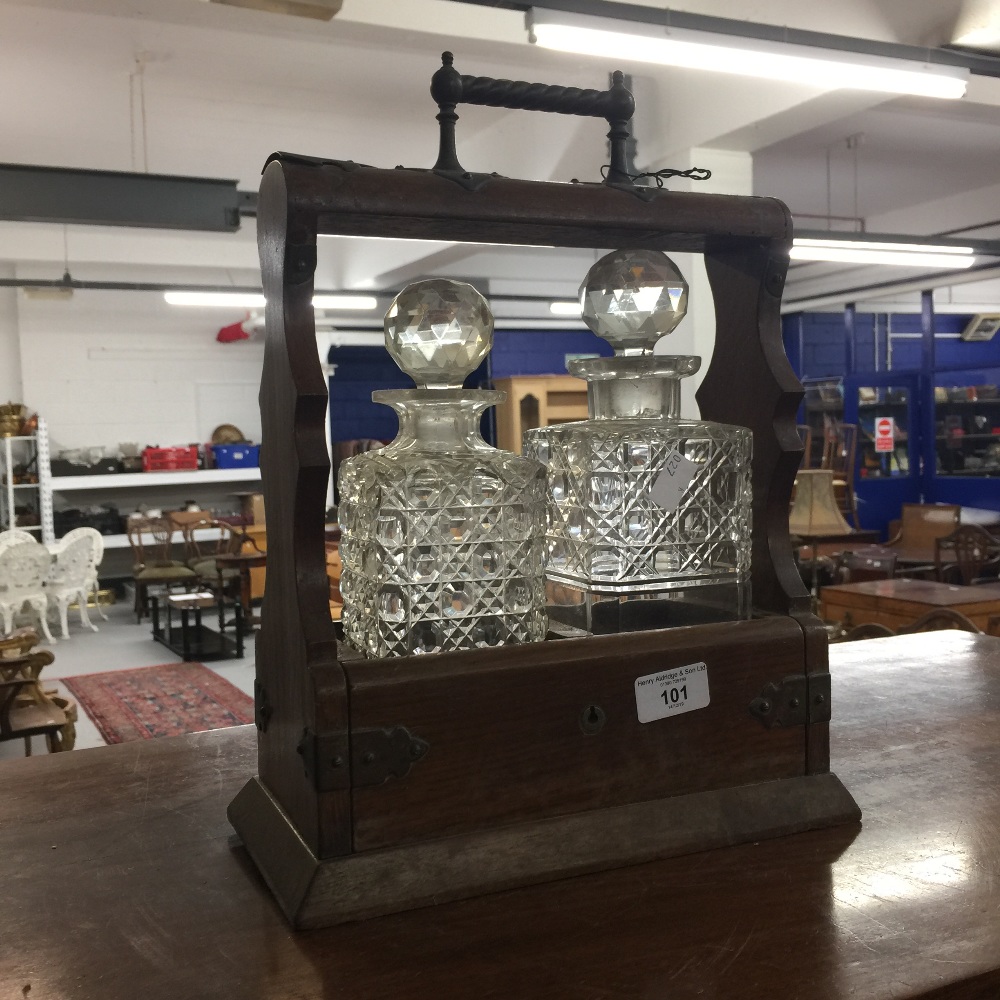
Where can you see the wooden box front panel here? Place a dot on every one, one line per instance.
(505, 735)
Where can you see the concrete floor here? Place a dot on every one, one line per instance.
(120, 644)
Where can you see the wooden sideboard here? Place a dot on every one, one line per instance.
(900, 601)
(123, 878)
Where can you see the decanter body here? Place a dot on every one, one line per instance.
(442, 535)
(649, 514)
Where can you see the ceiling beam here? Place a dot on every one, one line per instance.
(113, 198)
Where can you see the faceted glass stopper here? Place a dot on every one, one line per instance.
(438, 331)
(631, 298)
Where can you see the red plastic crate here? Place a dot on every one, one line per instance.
(170, 459)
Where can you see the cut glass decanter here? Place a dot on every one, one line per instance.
(649, 514)
(442, 535)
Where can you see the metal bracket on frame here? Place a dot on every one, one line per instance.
(793, 701)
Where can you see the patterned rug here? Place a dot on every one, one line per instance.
(168, 700)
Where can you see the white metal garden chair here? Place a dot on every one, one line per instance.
(70, 580)
(96, 555)
(24, 569)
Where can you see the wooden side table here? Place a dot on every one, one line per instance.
(195, 641)
(900, 602)
(245, 562)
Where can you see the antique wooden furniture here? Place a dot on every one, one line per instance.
(194, 640)
(387, 784)
(537, 401)
(900, 602)
(256, 540)
(839, 447)
(333, 567)
(248, 559)
(868, 630)
(933, 621)
(151, 540)
(969, 555)
(805, 432)
(903, 907)
(941, 618)
(861, 565)
(26, 709)
(920, 526)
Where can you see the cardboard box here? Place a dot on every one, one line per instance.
(253, 508)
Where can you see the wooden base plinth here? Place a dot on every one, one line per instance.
(319, 893)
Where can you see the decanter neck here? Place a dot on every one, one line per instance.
(645, 387)
(635, 397)
(445, 420)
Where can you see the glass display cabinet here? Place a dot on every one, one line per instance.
(885, 408)
(967, 423)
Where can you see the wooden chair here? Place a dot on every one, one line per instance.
(204, 541)
(975, 552)
(150, 539)
(940, 618)
(868, 630)
(839, 447)
(806, 434)
(921, 525)
(867, 564)
(27, 710)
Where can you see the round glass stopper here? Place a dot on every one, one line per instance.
(631, 298)
(438, 331)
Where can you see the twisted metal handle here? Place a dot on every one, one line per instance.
(449, 88)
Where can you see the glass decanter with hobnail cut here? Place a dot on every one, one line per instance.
(649, 514)
(442, 535)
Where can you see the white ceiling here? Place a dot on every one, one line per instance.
(222, 88)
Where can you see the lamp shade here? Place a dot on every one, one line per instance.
(815, 511)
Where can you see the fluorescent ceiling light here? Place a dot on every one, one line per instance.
(824, 69)
(809, 241)
(354, 302)
(874, 252)
(565, 309)
(251, 300)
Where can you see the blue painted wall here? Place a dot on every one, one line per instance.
(816, 344)
(541, 352)
(360, 370)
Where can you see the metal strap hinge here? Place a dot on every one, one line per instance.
(334, 761)
(794, 701)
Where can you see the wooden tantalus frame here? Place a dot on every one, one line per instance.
(390, 784)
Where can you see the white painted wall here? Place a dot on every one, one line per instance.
(107, 367)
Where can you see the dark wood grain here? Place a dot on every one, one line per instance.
(121, 881)
(900, 602)
(296, 648)
(505, 738)
(351, 199)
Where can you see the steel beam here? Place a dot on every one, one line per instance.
(110, 198)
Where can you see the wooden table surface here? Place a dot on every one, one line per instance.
(120, 879)
(925, 592)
